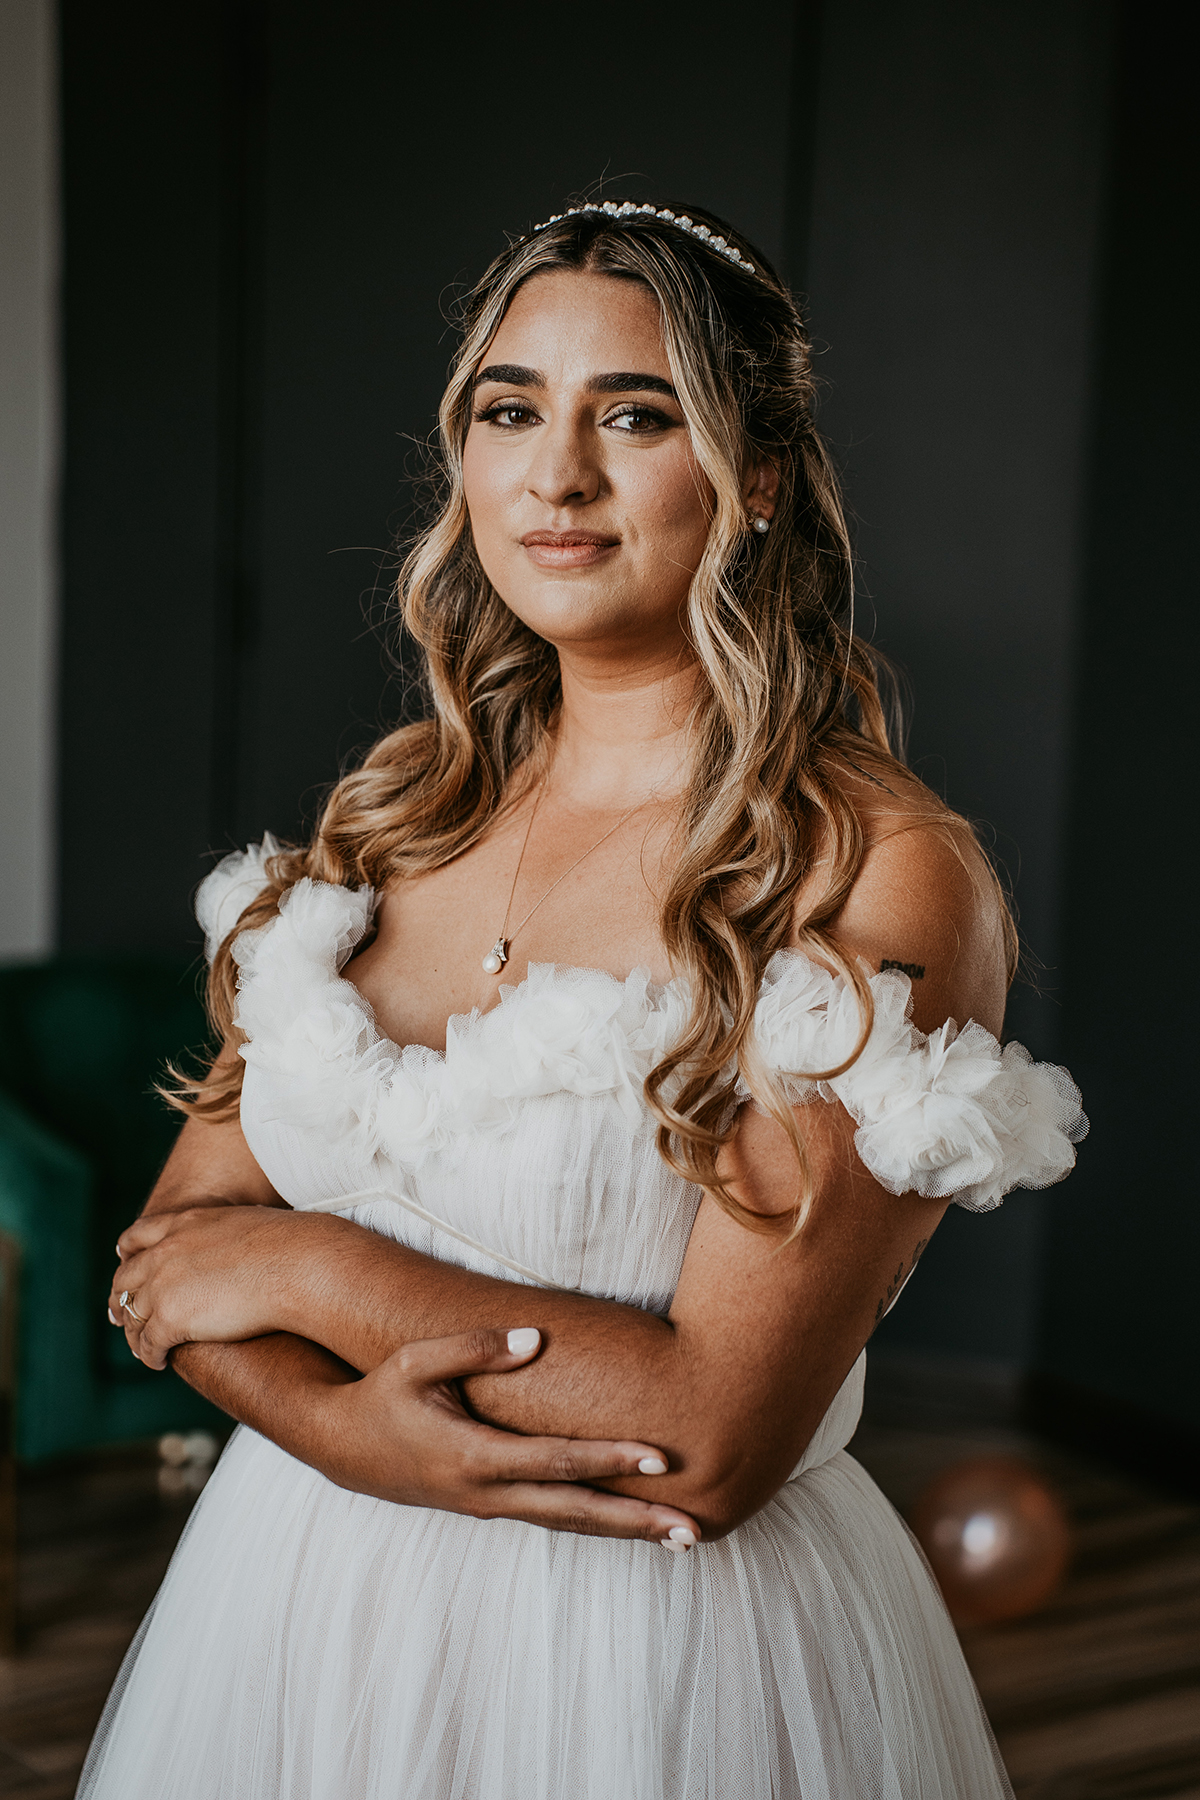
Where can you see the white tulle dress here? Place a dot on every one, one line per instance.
(312, 1644)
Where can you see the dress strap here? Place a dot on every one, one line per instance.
(346, 1203)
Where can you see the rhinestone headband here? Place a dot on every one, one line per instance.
(627, 210)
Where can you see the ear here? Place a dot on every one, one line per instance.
(760, 489)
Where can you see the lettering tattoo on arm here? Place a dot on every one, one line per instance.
(897, 1282)
(914, 971)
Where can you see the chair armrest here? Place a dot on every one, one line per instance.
(10, 1271)
(46, 1201)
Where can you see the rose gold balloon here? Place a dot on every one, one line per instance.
(997, 1536)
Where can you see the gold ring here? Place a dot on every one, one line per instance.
(126, 1304)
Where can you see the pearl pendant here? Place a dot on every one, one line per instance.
(496, 957)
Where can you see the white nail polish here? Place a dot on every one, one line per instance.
(112, 1317)
(682, 1536)
(520, 1343)
(649, 1465)
(668, 1545)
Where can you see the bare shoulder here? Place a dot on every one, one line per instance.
(925, 901)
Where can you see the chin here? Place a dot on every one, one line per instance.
(583, 627)
(573, 609)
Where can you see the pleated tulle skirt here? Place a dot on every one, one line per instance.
(310, 1644)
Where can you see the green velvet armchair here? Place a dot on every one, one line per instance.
(82, 1137)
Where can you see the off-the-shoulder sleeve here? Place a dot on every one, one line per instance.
(949, 1116)
(227, 891)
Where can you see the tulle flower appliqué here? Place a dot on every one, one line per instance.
(948, 1115)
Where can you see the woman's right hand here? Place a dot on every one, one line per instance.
(403, 1433)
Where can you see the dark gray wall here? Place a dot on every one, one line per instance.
(265, 209)
(1123, 1255)
(376, 200)
(951, 269)
(142, 318)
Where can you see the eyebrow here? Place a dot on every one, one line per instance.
(626, 382)
(621, 381)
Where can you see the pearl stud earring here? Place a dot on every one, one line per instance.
(761, 525)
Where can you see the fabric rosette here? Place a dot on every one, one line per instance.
(946, 1115)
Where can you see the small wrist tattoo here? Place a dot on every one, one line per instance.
(914, 971)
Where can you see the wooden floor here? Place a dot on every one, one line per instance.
(1096, 1698)
(95, 1540)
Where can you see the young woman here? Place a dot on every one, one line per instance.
(575, 1124)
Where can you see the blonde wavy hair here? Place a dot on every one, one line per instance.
(787, 710)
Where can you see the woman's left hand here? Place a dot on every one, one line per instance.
(210, 1274)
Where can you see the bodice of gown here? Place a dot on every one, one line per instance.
(527, 1151)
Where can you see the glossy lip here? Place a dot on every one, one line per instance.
(567, 549)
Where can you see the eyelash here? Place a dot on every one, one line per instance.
(658, 420)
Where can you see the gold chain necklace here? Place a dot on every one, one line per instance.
(497, 956)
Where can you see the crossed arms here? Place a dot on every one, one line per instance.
(391, 1372)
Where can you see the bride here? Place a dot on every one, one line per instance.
(590, 1086)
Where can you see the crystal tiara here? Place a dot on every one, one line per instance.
(626, 209)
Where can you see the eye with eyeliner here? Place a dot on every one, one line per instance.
(655, 420)
(658, 421)
(491, 415)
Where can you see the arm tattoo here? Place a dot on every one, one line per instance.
(914, 971)
(867, 776)
(897, 1282)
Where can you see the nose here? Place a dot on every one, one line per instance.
(565, 468)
